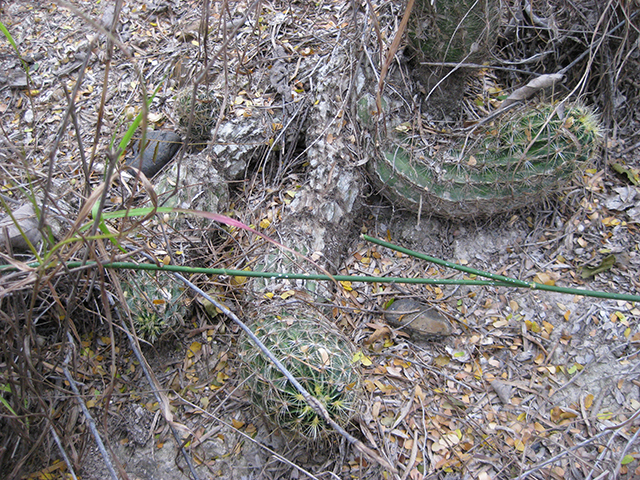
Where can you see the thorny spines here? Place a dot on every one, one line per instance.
(205, 109)
(321, 360)
(521, 158)
(156, 303)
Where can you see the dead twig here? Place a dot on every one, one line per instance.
(90, 421)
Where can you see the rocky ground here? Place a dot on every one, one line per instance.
(523, 383)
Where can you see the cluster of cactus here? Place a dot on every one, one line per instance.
(453, 30)
(319, 357)
(156, 303)
(514, 162)
(205, 111)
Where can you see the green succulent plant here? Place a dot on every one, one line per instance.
(453, 30)
(517, 161)
(205, 111)
(321, 360)
(156, 303)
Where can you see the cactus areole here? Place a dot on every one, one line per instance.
(517, 161)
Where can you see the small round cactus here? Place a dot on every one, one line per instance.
(453, 30)
(156, 303)
(205, 112)
(515, 162)
(319, 357)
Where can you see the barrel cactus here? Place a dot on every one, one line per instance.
(453, 30)
(205, 111)
(319, 357)
(514, 162)
(156, 303)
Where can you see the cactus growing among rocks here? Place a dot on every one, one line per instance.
(515, 162)
(453, 30)
(321, 360)
(205, 110)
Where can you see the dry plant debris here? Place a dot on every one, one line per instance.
(528, 385)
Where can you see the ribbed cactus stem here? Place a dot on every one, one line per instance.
(517, 161)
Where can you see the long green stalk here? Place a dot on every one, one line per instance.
(505, 281)
(272, 275)
(496, 280)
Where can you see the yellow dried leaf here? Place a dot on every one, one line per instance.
(532, 326)
(264, 223)
(588, 401)
(194, 348)
(544, 278)
(237, 423)
(346, 285)
(287, 294)
(240, 279)
(610, 221)
(441, 360)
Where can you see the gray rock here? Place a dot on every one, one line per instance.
(418, 320)
(199, 187)
(25, 217)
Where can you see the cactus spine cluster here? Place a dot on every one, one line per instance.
(155, 302)
(515, 162)
(321, 360)
(453, 30)
(204, 110)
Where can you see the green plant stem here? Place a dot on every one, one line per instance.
(496, 280)
(505, 281)
(272, 275)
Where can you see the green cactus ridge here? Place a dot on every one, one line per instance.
(321, 360)
(517, 162)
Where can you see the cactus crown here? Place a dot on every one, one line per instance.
(453, 30)
(205, 110)
(321, 360)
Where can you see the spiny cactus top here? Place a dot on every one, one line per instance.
(321, 360)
